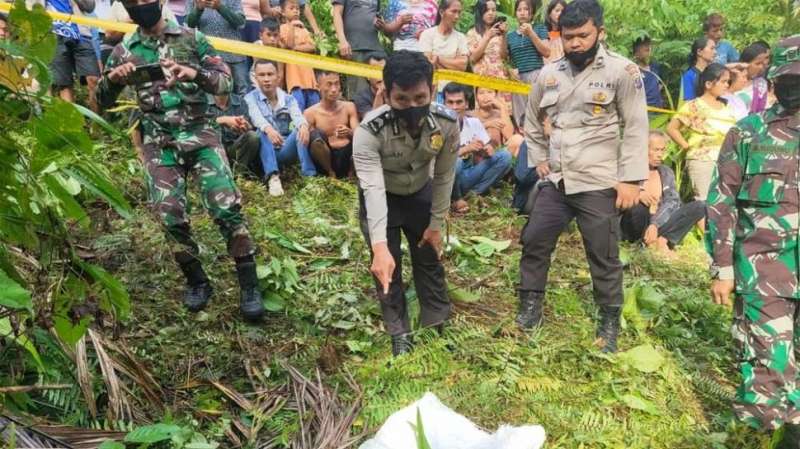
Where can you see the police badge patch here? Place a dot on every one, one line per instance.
(634, 71)
(437, 141)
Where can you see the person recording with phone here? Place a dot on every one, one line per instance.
(488, 48)
(172, 70)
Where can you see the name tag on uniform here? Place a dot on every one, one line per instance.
(601, 85)
(550, 83)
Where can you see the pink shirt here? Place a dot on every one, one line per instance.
(251, 10)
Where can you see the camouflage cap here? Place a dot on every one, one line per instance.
(785, 57)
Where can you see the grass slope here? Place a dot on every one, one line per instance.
(670, 393)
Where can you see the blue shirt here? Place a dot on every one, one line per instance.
(652, 85)
(689, 83)
(63, 29)
(284, 118)
(726, 53)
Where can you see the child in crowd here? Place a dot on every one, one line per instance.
(407, 19)
(493, 113)
(300, 80)
(271, 37)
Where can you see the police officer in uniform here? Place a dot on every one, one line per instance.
(395, 150)
(589, 171)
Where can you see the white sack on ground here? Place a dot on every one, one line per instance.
(446, 429)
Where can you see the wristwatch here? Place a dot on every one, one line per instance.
(713, 271)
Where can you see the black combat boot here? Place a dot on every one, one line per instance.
(250, 302)
(609, 328)
(198, 288)
(791, 437)
(529, 315)
(401, 344)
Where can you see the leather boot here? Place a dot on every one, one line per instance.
(198, 288)
(401, 344)
(251, 304)
(791, 437)
(608, 330)
(531, 303)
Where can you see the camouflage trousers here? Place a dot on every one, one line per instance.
(767, 334)
(167, 172)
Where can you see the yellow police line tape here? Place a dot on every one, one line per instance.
(310, 60)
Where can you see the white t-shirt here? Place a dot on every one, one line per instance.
(471, 129)
(453, 45)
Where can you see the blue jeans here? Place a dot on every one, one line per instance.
(240, 72)
(480, 177)
(526, 178)
(305, 97)
(291, 151)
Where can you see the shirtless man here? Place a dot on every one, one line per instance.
(332, 122)
(495, 117)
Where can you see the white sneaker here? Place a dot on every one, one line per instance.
(275, 187)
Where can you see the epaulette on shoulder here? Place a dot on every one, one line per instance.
(443, 111)
(375, 124)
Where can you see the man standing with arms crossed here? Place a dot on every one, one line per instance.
(590, 96)
(752, 236)
(392, 153)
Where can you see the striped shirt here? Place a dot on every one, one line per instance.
(524, 56)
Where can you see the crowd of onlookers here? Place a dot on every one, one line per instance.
(280, 113)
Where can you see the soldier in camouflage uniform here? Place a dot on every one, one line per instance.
(752, 236)
(179, 140)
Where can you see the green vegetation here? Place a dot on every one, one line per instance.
(92, 333)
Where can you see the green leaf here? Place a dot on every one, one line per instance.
(32, 29)
(68, 331)
(644, 358)
(152, 434)
(117, 296)
(497, 245)
(419, 432)
(98, 183)
(89, 114)
(262, 271)
(285, 242)
(111, 444)
(72, 209)
(13, 295)
(273, 302)
(649, 300)
(463, 295)
(637, 403)
(483, 249)
(22, 340)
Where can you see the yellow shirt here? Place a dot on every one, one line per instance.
(297, 75)
(706, 128)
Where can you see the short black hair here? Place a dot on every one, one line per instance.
(640, 41)
(455, 88)
(3, 17)
(271, 24)
(406, 69)
(283, 2)
(753, 50)
(259, 62)
(320, 73)
(579, 12)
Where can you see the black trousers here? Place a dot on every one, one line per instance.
(598, 222)
(411, 215)
(636, 220)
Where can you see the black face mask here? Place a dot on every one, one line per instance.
(787, 90)
(413, 115)
(580, 58)
(146, 16)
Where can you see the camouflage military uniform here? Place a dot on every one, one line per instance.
(752, 235)
(179, 138)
